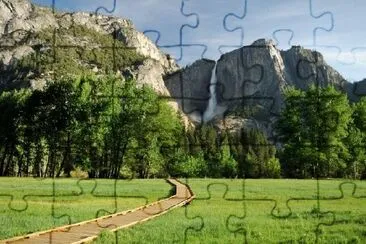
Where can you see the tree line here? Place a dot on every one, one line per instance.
(95, 124)
(207, 152)
(109, 127)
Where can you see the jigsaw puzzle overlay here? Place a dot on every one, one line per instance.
(232, 208)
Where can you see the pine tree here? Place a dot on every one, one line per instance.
(228, 165)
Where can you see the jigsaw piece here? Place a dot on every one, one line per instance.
(251, 98)
(20, 203)
(107, 198)
(211, 30)
(213, 220)
(338, 223)
(277, 210)
(348, 209)
(64, 199)
(175, 44)
(311, 70)
(339, 45)
(195, 99)
(160, 32)
(250, 90)
(275, 24)
(17, 201)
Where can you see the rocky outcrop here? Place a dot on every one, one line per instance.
(260, 72)
(252, 80)
(251, 75)
(21, 21)
(191, 87)
(357, 90)
(148, 73)
(303, 67)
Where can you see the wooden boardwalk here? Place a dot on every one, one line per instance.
(89, 230)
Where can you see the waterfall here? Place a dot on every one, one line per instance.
(211, 110)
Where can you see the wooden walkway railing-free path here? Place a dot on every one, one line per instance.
(89, 230)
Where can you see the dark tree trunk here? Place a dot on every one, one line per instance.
(2, 162)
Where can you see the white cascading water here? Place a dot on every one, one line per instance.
(211, 110)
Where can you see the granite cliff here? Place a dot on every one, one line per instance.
(251, 81)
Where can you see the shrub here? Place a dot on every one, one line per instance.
(195, 166)
(273, 168)
(79, 173)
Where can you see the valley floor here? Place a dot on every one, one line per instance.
(224, 211)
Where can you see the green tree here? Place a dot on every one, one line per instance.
(229, 166)
(312, 128)
(208, 138)
(11, 131)
(159, 128)
(355, 141)
(194, 166)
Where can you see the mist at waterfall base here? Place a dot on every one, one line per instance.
(213, 110)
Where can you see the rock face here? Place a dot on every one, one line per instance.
(191, 87)
(356, 90)
(20, 21)
(258, 74)
(251, 81)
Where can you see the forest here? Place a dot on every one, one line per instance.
(109, 127)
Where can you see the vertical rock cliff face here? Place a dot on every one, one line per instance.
(304, 66)
(250, 75)
(251, 81)
(258, 74)
(251, 93)
(191, 87)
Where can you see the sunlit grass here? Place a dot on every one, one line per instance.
(265, 216)
(263, 222)
(35, 208)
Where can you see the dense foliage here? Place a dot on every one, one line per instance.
(323, 135)
(207, 152)
(97, 124)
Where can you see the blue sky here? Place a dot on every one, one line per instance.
(336, 28)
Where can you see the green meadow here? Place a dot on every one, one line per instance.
(35, 208)
(217, 215)
(258, 219)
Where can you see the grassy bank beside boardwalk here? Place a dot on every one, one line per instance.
(265, 217)
(218, 214)
(28, 205)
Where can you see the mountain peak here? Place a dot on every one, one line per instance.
(263, 42)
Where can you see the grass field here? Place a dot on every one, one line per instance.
(72, 203)
(205, 220)
(260, 225)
